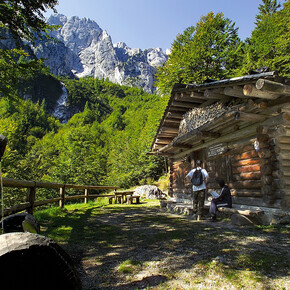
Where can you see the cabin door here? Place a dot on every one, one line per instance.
(223, 168)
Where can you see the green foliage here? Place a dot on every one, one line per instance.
(24, 18)
(24, 123)
(269, 44)
(21, 19)
(106, 143)
(211, 49)
(268, 8)
(15, 67)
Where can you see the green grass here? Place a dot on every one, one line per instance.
(129, 266)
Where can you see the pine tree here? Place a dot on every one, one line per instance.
(269, 44)
(268, 8)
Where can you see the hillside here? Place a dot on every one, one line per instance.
(105, 143)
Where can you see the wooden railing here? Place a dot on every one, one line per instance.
(32, 186)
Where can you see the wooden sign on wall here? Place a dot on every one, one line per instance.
(217, 150)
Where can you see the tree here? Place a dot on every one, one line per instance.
(269, 44)
(24, 18)
(21, 19)
(211, 49)
(268, 8)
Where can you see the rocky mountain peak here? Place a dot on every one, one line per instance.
(81, 48)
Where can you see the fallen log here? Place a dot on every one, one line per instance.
(32, 261)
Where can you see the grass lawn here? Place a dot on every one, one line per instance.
(142, 247)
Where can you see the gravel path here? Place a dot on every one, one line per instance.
(138, 247)
(142, 247)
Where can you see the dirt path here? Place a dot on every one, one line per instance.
(144, 248)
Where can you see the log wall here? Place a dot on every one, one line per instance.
(256, 177)
(179, 170)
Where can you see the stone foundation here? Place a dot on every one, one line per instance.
(240, 214)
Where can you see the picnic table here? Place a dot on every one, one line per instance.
(124, 197)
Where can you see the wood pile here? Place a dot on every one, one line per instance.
(200, 116)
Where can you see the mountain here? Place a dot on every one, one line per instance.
(81, 48)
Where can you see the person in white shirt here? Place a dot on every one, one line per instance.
(198, 177)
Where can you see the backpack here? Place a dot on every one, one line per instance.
(197, 178)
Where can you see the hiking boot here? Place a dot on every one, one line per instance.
(212, 219)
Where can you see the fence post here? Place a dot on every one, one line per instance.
(62, 196)
(31, 199)
(86, 196)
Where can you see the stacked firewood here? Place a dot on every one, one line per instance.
(200, 116)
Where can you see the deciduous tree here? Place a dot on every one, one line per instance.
(23, 19)
(211, 49)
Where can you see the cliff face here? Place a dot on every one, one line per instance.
(81, 48)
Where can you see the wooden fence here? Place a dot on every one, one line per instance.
(31, 186)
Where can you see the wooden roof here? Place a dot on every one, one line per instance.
(256, 93)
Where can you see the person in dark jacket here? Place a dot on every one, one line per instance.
(224, 199)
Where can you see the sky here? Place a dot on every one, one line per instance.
(156, 23)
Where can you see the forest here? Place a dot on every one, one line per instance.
(106, 141)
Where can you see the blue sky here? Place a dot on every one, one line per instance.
(155, 23)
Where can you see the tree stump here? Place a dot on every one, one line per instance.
(31, 261)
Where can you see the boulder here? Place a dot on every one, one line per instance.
(241, 220)
(20, 222)
(149, 191)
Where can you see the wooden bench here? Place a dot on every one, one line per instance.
(243, 216)
(121, 196)
(130, 199)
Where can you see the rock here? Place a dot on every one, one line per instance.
(81, 48)
(20, 222)
(241, 220)
(149, 191)
(31, 261)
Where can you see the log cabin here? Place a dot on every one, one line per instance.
(240, 129)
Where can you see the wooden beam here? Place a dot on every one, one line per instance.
(235, 91)
(276, 120)
(207, 103)
(187, 98)
(156, 147)
(161, 139)
(183, 104)
(249, 117)
(166, 135)
(161, 144)
(183, 110)
(250, 90)
(236, 135)
(273, 87)
(174, 115)
(197, 95)
(213, 94)
(183, 146)
(169, 130)
(208, 134)
(170, 120)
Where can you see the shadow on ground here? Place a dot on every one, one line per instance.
(164, 247)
